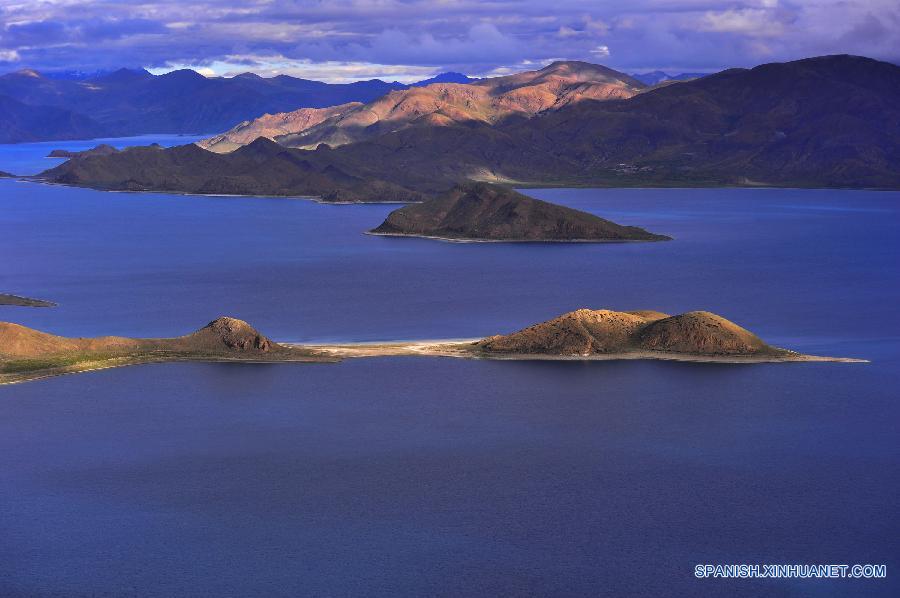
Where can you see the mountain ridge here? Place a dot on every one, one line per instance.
(134, 101)
(492, 100)
(821, 122)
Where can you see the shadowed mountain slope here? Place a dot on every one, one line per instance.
(261, 168)
(20, 122)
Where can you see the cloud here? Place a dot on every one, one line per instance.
(342, 39)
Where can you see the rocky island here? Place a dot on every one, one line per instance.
(6, 299)
(28, 354)
(486, 212)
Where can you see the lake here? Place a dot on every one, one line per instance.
(429, 476)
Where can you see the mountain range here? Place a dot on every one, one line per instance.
(34, 107)
(831, 121)
(441, 103)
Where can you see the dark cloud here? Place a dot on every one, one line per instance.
(478, 37)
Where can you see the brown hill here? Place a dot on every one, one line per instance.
(480, 211)
(588, 332)
(27, 354)
(223, 335)
(440, 104)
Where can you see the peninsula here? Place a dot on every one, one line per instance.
(6, 299)
(28, 354)
(485, 212)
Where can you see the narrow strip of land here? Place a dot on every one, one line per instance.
(6, 299)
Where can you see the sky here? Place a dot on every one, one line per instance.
(406, 40)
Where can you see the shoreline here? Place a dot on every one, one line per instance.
(519, 185)
(313, 198)
(465, 240)
(337, 352)
(112, 362)
(462, 348)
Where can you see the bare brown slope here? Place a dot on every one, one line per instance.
(440, 104)
(271, 126)
(481, 211)
(27, 354)
(594, 332)
(223, 335)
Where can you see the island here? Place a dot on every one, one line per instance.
(585, 334)
(6, 299)
(28, 354)
(488, 212)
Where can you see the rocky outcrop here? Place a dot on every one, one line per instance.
(485, 212)
(231, 334)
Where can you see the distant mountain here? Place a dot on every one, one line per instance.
(74, 75)
(22, 122)
(832, 121)
(483, 212)
(656, 77)
(449, 77)
(440, 104)
(134, 101)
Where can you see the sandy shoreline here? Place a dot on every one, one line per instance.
(336, 352)
(455, 240)
(462, 348)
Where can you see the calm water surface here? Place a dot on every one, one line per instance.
(418, 476)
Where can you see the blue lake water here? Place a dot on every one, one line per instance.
(427, 476)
